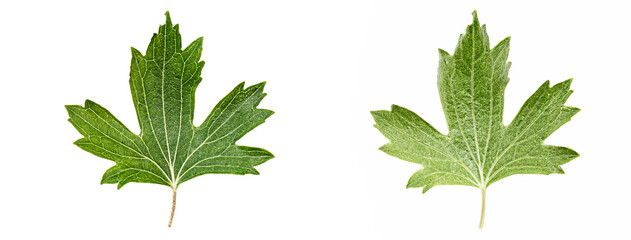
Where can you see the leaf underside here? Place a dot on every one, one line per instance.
(478, 150)
(170, 149)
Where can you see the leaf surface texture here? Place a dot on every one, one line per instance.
(169, 149)
(479, 149)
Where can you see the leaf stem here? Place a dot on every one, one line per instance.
(483, 206)
(172, 209)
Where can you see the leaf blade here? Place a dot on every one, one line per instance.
(482, 150)
(163, 82)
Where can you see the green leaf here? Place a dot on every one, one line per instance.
(479, 150)
(170, 150)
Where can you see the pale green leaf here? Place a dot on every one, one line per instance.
(479, 150)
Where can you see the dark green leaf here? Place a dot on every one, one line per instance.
(169, 149)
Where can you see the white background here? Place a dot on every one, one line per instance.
(327, 64)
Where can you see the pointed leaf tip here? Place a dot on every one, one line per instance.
(569, 81)
(168, 15)
(475, 17)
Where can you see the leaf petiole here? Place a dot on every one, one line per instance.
(172, 209)
(483, 207)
